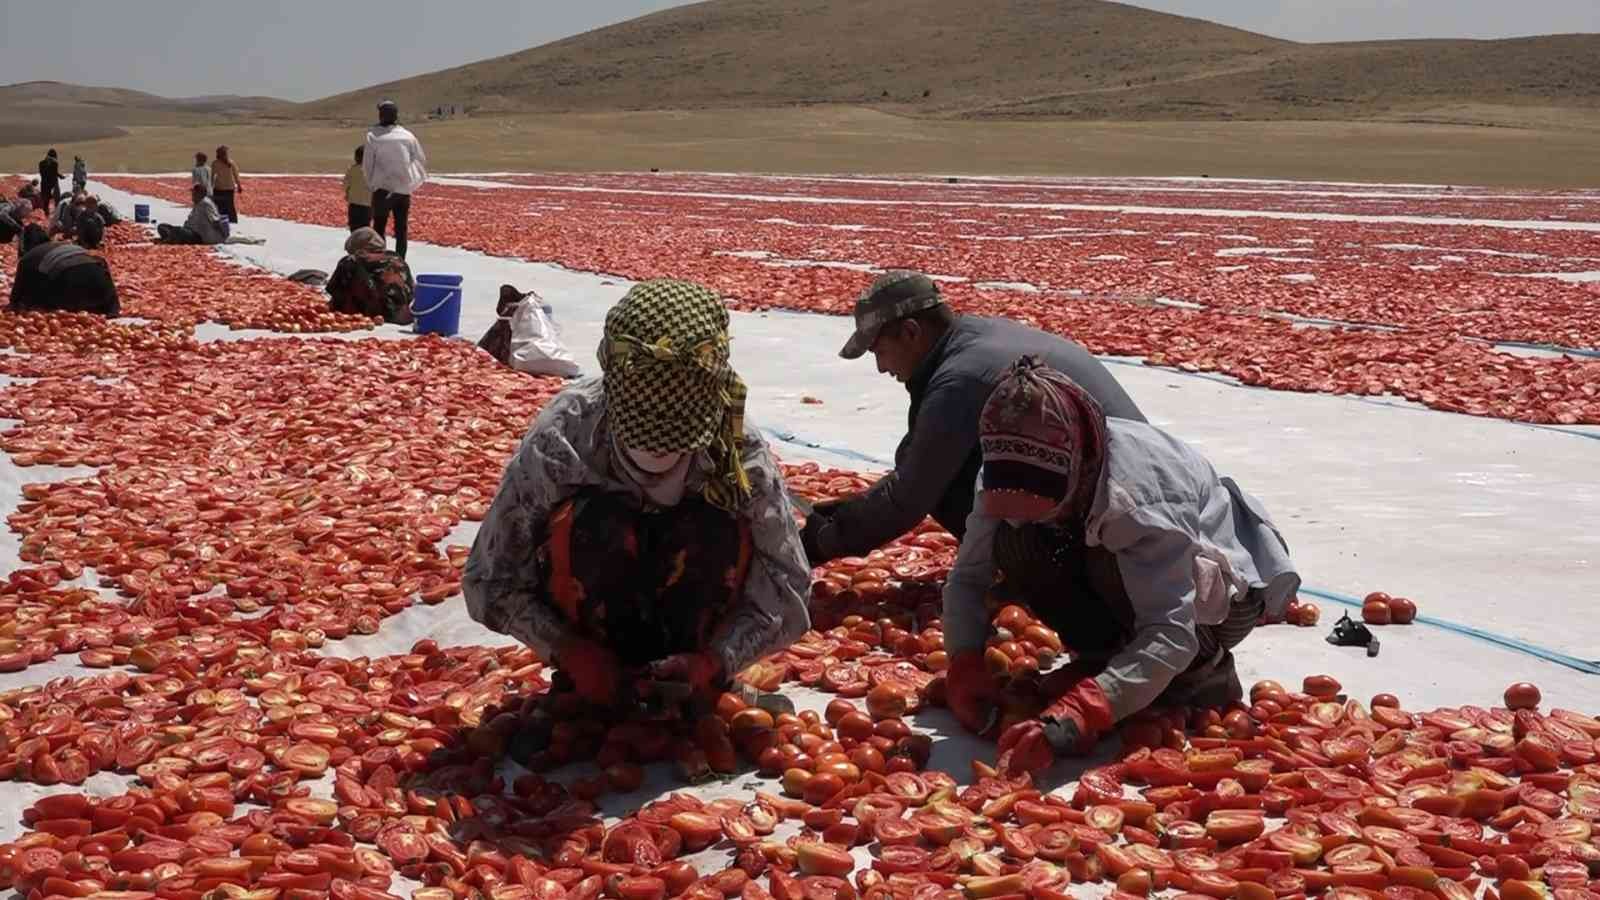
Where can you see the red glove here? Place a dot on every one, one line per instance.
(1068, 727)
(972, 693)
(700, 671)
(593, 669)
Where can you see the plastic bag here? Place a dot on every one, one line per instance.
(536, 345)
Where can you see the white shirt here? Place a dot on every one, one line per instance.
(394, 161)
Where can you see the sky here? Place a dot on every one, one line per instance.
(305, 49)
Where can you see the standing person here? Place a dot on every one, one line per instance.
(80, 175)
(357, 194)
(1123, 538)
(49, 180)
(643, 527)
(395, 167)
(224, 183)
(200, 175)
(949, 364)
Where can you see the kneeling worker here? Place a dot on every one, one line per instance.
(54, 276)
(949, 364)
(643, 532)
(1122, 538)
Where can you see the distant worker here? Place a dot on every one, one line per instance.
(206, 224)
(49, 180)
(200, 175)
(357, 194)
(395, 167)
(64, 221)
(371, 280)
(949, 364)
(225, 183)
(55, 276)
(80, 175)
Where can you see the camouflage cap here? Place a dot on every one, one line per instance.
(891, 297)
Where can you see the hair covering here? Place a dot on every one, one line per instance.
(1044, 447)
(364, 239)
(91, 231)
(668, 385)
(34, 235)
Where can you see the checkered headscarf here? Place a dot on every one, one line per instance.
(668, 384)
(1044, 447)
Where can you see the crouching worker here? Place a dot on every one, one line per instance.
(1123, 539)
(371, 280)
(205, 225)
(59, 277)
(642, 535)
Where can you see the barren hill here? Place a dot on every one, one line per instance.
(1084, 59)
(33, 111)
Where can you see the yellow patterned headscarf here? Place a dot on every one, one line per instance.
(668, 385)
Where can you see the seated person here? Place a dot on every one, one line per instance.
(108, 216)
(61, 277)
(1123, 539)
(64, 221)
(371, 280)
(10, 222)
(205, 225)
(643, 528)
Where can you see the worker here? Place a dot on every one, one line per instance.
(49, 180)
(1123, 539)
(64, 221)
(200, 175)
(949, 364)
(357, 195)
(643, 532)
(205, 225)
(371, 280)
(225, 184)
(12, 216)
(61, 277)
(80, 175)
(396, 168)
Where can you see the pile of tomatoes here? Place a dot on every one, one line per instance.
(1102, 271)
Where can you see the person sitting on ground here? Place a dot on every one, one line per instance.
(108, 215)
(91, 232)
(205, 225)
(200, 175)
(64, 221)
(357, 196)
(371, 280)
(643, 529)
(1124, 539)
(56, 276)
(949, 364)
(10, 226)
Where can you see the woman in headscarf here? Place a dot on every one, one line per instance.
(371, 280)
(55, 276)
(1124, 540)
(643, 530)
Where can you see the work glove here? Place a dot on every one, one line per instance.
(701, 671)
(593, 669)
(1068, 727)
(972, 692)
(811, 535)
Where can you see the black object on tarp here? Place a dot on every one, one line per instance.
(1347, 632)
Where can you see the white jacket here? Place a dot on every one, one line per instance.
(394, 161)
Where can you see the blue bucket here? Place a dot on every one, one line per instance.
(141, 213)
(437, 306)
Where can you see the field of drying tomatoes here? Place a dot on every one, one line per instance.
(1438, 293)
(252, 503)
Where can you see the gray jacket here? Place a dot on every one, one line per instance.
(568, 449)
(937, 461)
(206, 221)
(1188, 544)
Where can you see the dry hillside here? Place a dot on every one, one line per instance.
(35, 111)
(1079, 59)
